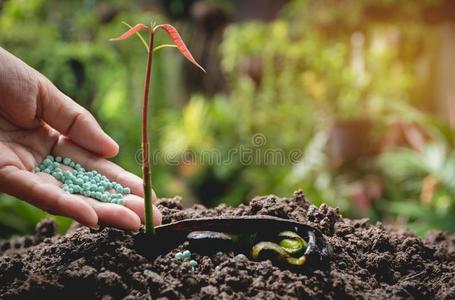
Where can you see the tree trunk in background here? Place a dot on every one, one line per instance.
(445, 83)
(257, 9)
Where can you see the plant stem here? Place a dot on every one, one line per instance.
(146, 172)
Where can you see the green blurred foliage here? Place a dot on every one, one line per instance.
(22, 217)
(421, 189)
(290, 81)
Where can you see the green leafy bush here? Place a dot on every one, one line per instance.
(289, 81)
(421, 185)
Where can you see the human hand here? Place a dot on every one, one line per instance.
(36, 119)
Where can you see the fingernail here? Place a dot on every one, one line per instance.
(157, 216)
(95, 227)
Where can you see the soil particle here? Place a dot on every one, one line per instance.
(369, 262)
(45, 229)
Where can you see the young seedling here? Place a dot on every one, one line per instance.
(145, 145)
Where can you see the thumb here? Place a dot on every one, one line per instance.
(72, 120)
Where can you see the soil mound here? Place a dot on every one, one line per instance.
(369, 261)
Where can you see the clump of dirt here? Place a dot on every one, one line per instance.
(369, 261)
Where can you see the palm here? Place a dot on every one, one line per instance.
(24, 148)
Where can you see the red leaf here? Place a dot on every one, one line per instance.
(134, 30)
(177, 39)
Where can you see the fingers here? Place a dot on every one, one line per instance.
(114, 215)
(42, 190)
(47, 196)
(136, 204)
(108, 214)
(72, 120)
(127, 217)
(64, 147)
(133, 202)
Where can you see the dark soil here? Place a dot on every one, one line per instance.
(369, 262)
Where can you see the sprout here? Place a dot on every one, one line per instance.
(290, 246)
(145, 145)
(265, 250)
(299, 261)
(292, 242)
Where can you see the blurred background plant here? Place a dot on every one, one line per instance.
(350, 100)
(420, 182)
